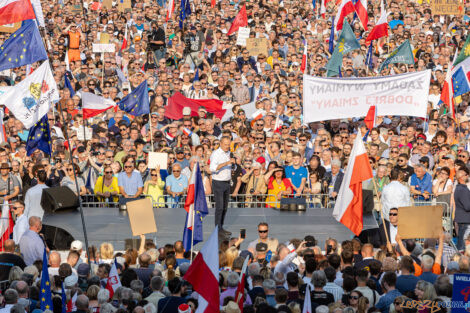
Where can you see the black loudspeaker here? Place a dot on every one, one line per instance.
(367, 201)
(56, 238)
(58, 198)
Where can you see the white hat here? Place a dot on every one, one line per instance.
(231, 307)
(70, 281)
(186, 111)
(184, 308)
(76, 245)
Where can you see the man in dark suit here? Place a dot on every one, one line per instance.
(333, 179)
(170, 304)
(389, 227)
(462, 206)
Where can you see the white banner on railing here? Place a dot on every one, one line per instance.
(337, 98)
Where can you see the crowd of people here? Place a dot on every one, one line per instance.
(255, 162)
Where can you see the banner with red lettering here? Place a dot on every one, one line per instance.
(338, 98)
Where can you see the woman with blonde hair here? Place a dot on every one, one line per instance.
(425, 291)
(231, 254)
(92, 294)
(106, 252)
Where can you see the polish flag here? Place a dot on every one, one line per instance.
(348, 206)
(241, 20)
(187, 132)
(3, 136)
(257, 116)
(203, 275)
(323, 8)
(346, 7)
(380, 29)
(113, 280)
(240, 293)
(278, 124)
(447, 93)
(307, 301)
(93, 105)
(361, 11)
(303, 66)
(124, 41)
(71, 307)
(371, 117)
(169, 10)
(212, 3)
(13, 11)
(6, 224)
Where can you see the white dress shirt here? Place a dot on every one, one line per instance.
(32, 201)
(20, 227)
(218, 157)
(394, 195)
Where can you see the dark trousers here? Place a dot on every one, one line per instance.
(460, 238)
(221, 190)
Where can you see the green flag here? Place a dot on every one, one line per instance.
(346, 42)
(465, 52)
(402, 54)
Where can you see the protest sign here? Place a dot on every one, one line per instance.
(337, 98)
(141, 217)
(158, 159)
(10, 28)
(103, 47)
(124, 6)
(447, 7)
(243, 35)
(76, 9)
(84, 133)
(420, 221)
(257, 46)
(460, 294)
(104, 38)
(107, 4)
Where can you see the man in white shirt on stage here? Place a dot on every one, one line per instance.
(22, 223)
(221, 168)
(395, 194)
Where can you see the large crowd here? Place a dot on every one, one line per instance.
(414, 161)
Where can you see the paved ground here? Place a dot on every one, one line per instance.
(109, 224)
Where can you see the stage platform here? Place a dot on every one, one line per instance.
(112, 225)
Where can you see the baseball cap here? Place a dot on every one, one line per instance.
(76, 245)
(71, 281)
(179, 150)
(83, 270)
(261, 247)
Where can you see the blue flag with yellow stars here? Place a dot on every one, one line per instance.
(23, 47)
(460, 82)
(39, 137)
(137, 102)
(45, 293)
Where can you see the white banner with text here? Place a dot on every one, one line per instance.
(338, 98)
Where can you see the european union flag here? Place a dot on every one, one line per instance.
(45, 293)
(185, 11)
(369, 57)
(64, 300)
(137, 102)
(68, 85)
(22, 47)
(331, 43)
(39, 137)
(460, 82)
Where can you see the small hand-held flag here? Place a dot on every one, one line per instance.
(369, 62)
(402, 54)
(113, 282)
(185, 11)
(39, 137)
(45, 294)
(331, 41)
(303, 66)
(241, 20)
(307, 301)
(371, 117)
(137, 102)
(64, 299)
(68, 85)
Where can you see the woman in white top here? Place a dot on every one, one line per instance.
(442, 185)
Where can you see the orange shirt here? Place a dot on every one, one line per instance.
(436, 269)
(74, 40)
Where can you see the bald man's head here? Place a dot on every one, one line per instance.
(367, 250)
(9, 246)
(35, 224)
(54, 259)
(22, 288)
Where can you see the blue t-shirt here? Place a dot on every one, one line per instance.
(177, 184)
(130, 184)
(423, 184)
(406, 283)
(429, 277)
(296, 175)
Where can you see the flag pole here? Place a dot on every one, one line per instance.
(151, 132)
(76, 185)
(381, 212)
(192, 237)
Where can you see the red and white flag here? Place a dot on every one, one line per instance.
(113, 280)
(241, 20)
(361, 11)
(170, 8)
(303, 66)
(14, 11)
(240, 293)
(6, 224)
(348, 206)
(259, 114)
(93, 105)
(71, 307)
(278, 124)
(203, 275)
(307, 301)
(371, 117)
(323, 8)
(124, 41)
(346, 8)
(3, 136)
(212, 3)
(447, 93)
(380, 29)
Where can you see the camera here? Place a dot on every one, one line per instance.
(252, 190)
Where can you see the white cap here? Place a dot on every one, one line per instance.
(76, 245)
(70, 281)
